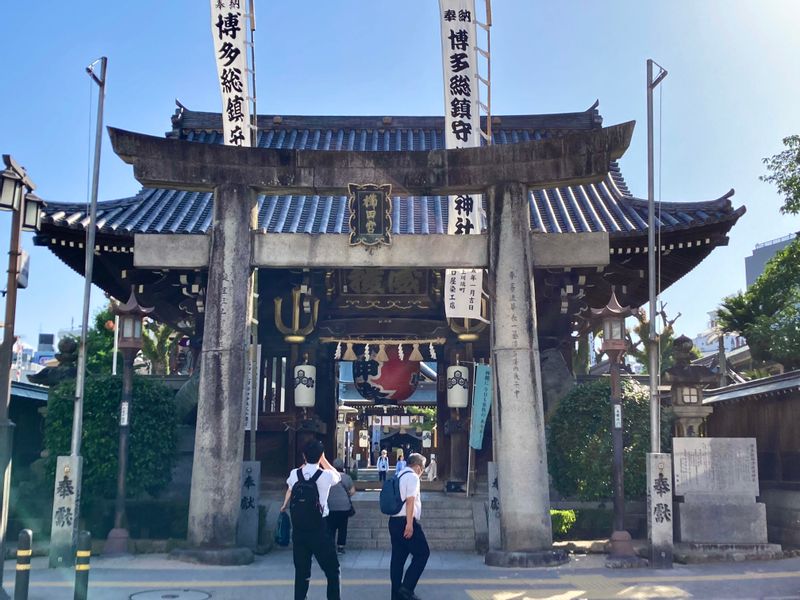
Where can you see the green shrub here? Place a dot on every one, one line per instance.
(562, 521)
(579, 440)
(152, 434)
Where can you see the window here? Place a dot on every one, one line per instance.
(689, 395)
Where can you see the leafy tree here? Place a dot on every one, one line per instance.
(428, 412)
(640, 350)
(768, 313)
(100, 343)
(152, 435)
(784, 172)
(579, 448)
(157, 343)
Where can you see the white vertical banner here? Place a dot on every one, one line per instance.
(462, 113)
(229, 32)
(463, 299)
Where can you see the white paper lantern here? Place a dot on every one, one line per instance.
(457, 386)
(305, 382)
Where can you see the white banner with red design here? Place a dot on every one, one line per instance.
(229, 31)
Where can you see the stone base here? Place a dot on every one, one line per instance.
(626, 562)
(116, 542)
(714, 523)
(700, 553)
(214, 556)
(526, 559)
(621, 545)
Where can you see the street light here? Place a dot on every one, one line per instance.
(32, 216)
(14, 182)
(614, 345)
(129, 342)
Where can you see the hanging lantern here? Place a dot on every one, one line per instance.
(386, 382)
(457, 386)
(305, 381)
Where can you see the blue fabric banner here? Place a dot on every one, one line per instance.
(481, 403)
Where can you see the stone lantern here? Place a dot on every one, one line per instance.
(687, 382)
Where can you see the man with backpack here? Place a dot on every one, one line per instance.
(407, 537)
(383, 466)
(307, 500)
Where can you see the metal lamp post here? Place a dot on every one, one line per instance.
(129, 342)
(14, 182)
(614, 345)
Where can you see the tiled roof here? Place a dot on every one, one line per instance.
(605, 206)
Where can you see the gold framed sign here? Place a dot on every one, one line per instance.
(370, 214)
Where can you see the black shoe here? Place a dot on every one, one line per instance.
(340, 549)
(406, 594)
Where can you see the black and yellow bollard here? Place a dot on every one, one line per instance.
(82, 557)
(24, 546)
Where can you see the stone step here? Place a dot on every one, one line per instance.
(435, 534)
(433, 513)
(377, 521)
(463, 545)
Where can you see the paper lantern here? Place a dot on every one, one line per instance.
(457, 386)
(305, 381)
(386, 382)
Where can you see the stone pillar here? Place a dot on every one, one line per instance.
(521, 453)
(219, 440)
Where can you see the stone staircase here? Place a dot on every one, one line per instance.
(447, 520)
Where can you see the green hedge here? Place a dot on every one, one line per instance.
(579, 440)
(562, 522)
(152, 440)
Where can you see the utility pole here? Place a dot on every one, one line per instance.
(69, 469)
(653, 367)
(658, 464)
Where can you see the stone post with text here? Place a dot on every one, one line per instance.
(526, 529)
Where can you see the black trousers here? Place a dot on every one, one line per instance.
(416, 546)
(318, 544)
(382, 475)
(337, 525)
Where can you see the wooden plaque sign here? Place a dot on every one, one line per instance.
(370, 214)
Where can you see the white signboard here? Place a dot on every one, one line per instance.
(462, 113)
(123, 414)
(252, 377)
(229, 31)
(721, 466)
(464, 289)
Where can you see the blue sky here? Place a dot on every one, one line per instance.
(730, 97)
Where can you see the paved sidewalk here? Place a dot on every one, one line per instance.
(449, 576)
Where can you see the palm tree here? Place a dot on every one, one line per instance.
(157, 343)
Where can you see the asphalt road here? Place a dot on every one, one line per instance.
(449, 576)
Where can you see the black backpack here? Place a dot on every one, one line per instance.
(390, 500)
(304, 505)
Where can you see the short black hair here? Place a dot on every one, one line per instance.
(313, 450)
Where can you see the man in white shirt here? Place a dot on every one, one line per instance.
(309, 532)
(406, 533)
